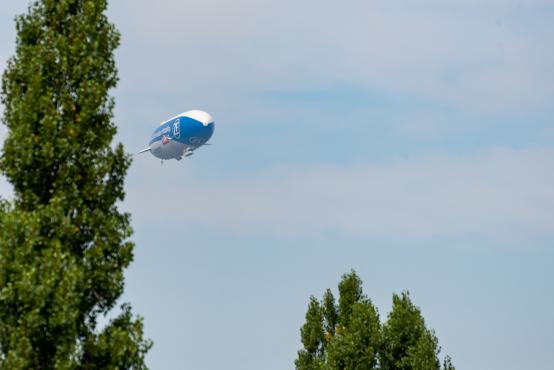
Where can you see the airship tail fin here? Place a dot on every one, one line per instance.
(144, 150)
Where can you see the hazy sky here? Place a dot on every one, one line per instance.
(410, 140)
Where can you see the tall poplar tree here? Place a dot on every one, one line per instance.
(63, 242)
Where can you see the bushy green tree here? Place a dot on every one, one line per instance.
(354, 338)
(407, 343)
(63, 242)
(330, 313)
(350, 292)
(355, 345)
(351, 329)
(312, 336)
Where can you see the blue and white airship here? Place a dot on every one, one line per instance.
(181, 135)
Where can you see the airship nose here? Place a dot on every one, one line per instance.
(200, 116)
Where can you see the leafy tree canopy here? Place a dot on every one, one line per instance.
(63, 242)
(350, 336)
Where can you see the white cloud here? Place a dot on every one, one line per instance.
(481, 56)
(502, 195)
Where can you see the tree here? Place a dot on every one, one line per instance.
(407, 343)
(355, 346)
(312, 336)
(63, 242)
(350, 292)
(351, 329)
(330, 313)
(349, 336)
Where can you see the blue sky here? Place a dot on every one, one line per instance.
(410, 140)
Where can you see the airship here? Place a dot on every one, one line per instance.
(181, 135)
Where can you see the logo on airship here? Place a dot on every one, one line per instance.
(176, 128)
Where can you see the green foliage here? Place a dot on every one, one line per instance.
(355, 346)
(351, 330)
(407, 343)
(311, 333)
(447, 364)
(350, 292)
(356, 340)
(330, 313)
(63, 242)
